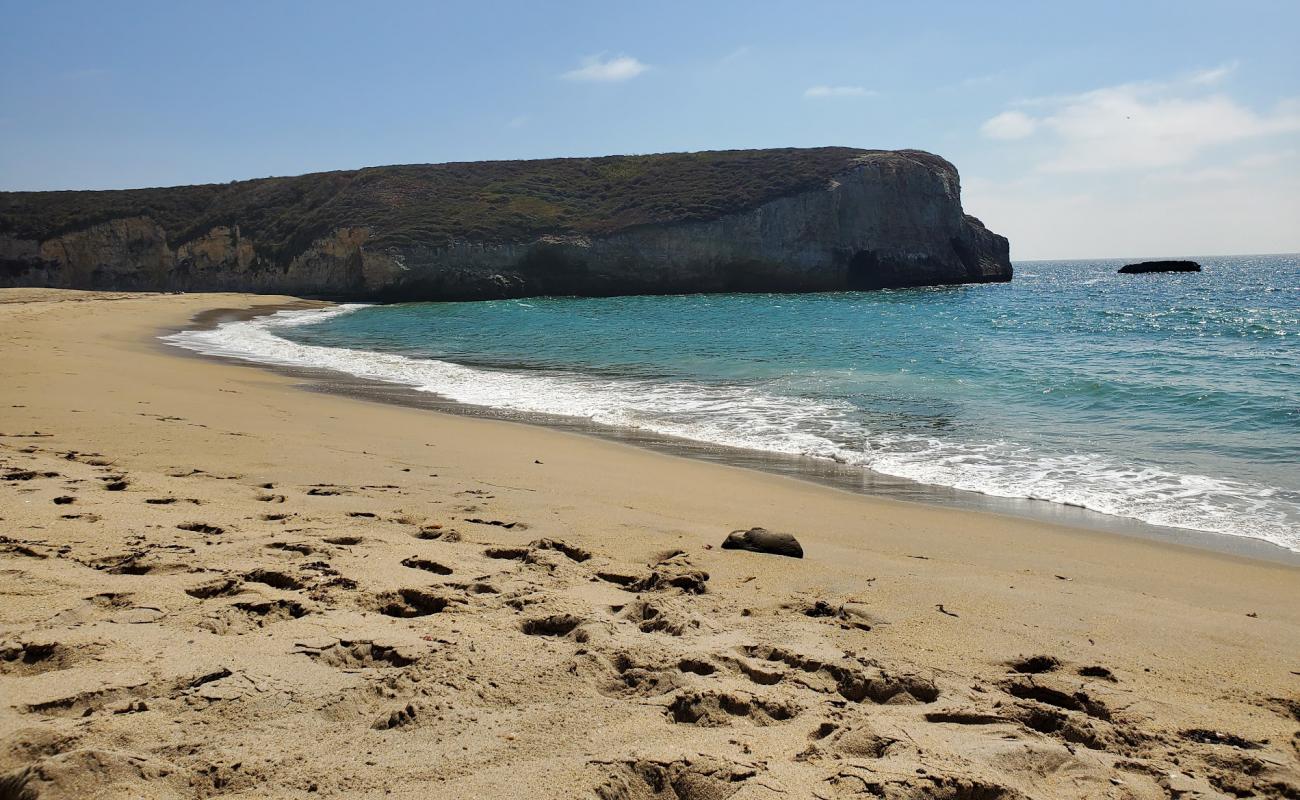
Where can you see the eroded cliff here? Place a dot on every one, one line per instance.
(768, 220)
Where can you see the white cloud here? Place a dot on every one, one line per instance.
(1208, 77)
(1009, 125)
(1211, 212)
(517, 122)
(839, 91)
(606, 70)
(1141, 125)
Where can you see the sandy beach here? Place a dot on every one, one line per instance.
(216, 583)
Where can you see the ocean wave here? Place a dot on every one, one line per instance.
(750, 417)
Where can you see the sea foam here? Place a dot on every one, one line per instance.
(752, 418)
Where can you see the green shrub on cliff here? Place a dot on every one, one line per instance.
(435, 204)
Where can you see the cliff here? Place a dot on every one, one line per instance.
(746, 220)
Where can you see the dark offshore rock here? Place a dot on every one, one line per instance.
(761, 540)
(1159, 266)
(821, 219)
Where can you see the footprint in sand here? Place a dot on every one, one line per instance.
(408, 603)
(711, 709)
(201, 527)
(249, 616)
(344, 541)
(275, 579)
(426, 565)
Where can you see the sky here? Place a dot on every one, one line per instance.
(1081, 130)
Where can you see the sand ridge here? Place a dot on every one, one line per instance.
(216, 584)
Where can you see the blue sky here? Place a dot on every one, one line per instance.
(1081, 130)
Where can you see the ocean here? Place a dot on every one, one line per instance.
(1170, 399)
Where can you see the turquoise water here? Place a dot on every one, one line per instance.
(1171, 399)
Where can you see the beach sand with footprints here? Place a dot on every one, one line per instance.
(215, 583)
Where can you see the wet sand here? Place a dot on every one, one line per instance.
(216, 583)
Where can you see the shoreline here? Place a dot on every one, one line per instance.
(216, 583)
(852, 479)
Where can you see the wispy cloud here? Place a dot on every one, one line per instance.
(1147, 125)
(1208, 77)
(518, 121)
(1009, 125)
(737, 54)
(839, 91)
(600, 69)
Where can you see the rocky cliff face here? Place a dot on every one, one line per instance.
(880, 219)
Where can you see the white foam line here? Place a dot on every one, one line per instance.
(746, 417)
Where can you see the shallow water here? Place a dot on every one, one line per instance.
(1170, 399)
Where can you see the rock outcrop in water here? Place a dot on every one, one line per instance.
(765, 220)
(1159, 266)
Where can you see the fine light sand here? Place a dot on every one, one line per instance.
(217, 584)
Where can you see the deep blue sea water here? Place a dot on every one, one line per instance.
(1172, 399)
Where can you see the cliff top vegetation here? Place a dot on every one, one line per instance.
(435, 204)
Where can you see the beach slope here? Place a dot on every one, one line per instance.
(215, 583)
